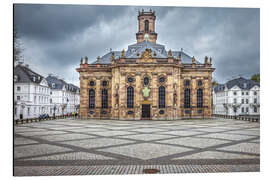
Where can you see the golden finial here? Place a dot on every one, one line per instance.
(81, 60)
(123, 54)
(193, 60)
(179, 56)
(205, 60)
(170, 54)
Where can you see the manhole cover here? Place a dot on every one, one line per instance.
(150, 171)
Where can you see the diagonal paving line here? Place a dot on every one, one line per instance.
(211, 148)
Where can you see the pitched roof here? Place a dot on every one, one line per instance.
(26, 75)
(59, 84)
(139, 48)
(242, 83)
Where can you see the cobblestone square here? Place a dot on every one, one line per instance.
(91, 147)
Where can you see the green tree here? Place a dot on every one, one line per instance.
(256, 78)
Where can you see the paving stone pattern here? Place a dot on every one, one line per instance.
(92, 147)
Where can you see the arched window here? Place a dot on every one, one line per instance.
(104, 98)
(161, 97)
(91, 98)
(130, 97)
(146, 25)
(187, 98)
(199, 98)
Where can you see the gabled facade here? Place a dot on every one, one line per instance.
(65, 97)
(146, 81)
(35, 95)
(239, 96)
(31, 93)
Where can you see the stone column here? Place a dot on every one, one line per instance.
(122, 96)
(138, 96)
(98, 97)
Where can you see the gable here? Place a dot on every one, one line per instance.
(44, 82)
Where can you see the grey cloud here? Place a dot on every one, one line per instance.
(56, 36)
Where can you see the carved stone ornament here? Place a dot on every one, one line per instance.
(170, 54)
(147, 55)
(146, 92)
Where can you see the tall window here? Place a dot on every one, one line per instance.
(130, 97)
(146, 25)
(187, 98)
(199, 98)
(91, 98)
(161, 97)
(104, 100)
(255, 100)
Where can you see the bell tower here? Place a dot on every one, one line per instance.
(146, 20)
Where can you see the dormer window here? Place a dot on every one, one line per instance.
(245, 85)
(16, 78)
(34, 78)
(53, 85)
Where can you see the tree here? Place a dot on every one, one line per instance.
(256, 78)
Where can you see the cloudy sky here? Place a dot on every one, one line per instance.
(55, 37)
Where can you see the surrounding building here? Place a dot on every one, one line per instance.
(146, 81)
(34, 95)
(237, 97)
(65, 98)
(31, 93)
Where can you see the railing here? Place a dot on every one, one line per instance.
(30, 120)
(244, 118)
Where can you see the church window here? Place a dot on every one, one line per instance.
(200, 83)
(130, 79)
(199, 98)
(187, 98)
(130, 97)
(146, 81)
(91, 98)
(162, 79)
(161, 97)
(187, 82)
(146, 25)
(255, 109)
(104, 99)
(92, 83)
(104, 83)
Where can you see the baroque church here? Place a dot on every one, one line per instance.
(146, 81)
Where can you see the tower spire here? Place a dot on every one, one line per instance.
(146, 20)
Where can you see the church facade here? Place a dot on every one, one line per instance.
(145, 81)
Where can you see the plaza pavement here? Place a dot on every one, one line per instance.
(92, 147)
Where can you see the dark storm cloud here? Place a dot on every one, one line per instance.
(56, 36)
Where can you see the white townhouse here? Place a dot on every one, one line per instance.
(65, 97)
(237, 97)
(31, 93)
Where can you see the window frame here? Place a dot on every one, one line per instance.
(187, 98)
(200, 98)
(92, 98)
(104, 99)
(161, 97)
(130, 97)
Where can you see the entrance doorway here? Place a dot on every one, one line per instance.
(145, 111)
